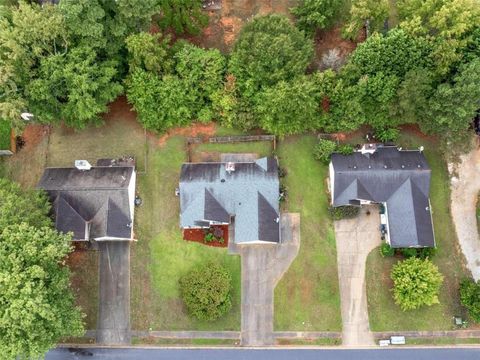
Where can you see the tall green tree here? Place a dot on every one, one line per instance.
(149, 52)
(453, 105)
(36, 302)
(269, 49)
(64, 90)
(183, 16)
(370, 13)
(316, 14)
(448, 24)
(416, 283)
(289, 107)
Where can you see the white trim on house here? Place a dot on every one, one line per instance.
(332, 181)
(387, 235)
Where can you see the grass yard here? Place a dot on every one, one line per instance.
(307, 297)
(384, 314)
(5, 131)
(161, 256)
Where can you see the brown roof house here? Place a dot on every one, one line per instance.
(93, 202)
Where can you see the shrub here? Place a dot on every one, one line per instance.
(323, 150)
(409, 252)
(344, 212)
(386, 250)
(416, 282)
(206, 291)
(470, 298)
(345, 149)
(425, 253)
(209, 237)
(387, 134)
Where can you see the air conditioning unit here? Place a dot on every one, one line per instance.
(82, 165)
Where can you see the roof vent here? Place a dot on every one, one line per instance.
(385, 166)
(403, 166)
(230, 167)
(421, 148)
(419, 166)
(82, 165)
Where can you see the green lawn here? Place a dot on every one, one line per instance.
(384, 314)
(5, 131)
(161, 256)
(307, 297)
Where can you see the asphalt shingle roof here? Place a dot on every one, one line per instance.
(249, 193)
(91, 204)
(400, 179)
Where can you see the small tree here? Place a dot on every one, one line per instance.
(316, 14)
(416, 282)
(323, 150)
(206, 291)
(470, 298)
(149, 52)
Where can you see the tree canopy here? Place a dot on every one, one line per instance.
(36, 302)
(316, 14)
(183, 16)
(269, 49)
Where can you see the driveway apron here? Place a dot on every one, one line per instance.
(356, 238)
(262, 268)
(113, 326)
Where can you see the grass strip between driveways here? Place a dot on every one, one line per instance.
(307, 297)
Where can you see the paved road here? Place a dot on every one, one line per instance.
(262, 268)
(274, 354)
(465, 189)
(355, 239)
(113, 326)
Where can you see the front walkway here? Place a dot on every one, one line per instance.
(356, 238)
(262, 268)
(465, 189)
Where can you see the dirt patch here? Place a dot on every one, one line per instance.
(198, 129)
(331, 50)
(33, 135)
(198, 235)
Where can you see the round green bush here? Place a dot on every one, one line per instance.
(206, 291)
(470, 298)
(409, 252)
(416, 283)
(386, 250)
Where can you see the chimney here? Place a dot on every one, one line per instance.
(82, 165)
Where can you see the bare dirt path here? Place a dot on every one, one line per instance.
(356, 238)
(465, 188)
(262, 268)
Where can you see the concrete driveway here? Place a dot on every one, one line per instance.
(465, 189)
(356, 238)
(113, 324)
(262, 267)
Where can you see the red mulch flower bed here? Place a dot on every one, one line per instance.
(198, 235)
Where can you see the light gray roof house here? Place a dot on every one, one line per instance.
(399, 179)
(92, 204)
(243, 193)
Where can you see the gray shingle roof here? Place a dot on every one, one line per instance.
(401, 179)
(249, 193)
(91, 204)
